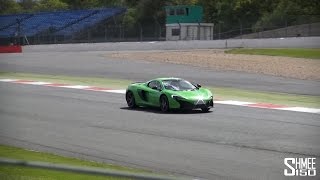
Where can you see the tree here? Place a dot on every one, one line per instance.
(109, 3)
(82, 4)
(9, 7)
(28, 5)
(290, 12)
(50, 5)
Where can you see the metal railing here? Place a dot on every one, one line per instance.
(86, 170)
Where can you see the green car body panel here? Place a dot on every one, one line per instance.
(195, 98)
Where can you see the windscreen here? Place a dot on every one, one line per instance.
(178, 85)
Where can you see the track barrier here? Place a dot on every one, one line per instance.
(11, 49)
(85, 170)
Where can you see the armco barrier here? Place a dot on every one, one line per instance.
(10, 49)
(299, 42)
(86, 170)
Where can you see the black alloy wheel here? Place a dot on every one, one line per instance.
(164, 103)
(130, 99)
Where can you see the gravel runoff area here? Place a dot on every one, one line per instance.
(217, 59)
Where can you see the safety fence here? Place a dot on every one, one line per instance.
(93, 26)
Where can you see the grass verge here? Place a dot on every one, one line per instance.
(224, 93)
(15, 172)
(291, 52)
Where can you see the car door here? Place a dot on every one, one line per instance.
(154, 92)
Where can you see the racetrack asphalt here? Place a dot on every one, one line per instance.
(231, 142)
(94, 64)
(228, 143)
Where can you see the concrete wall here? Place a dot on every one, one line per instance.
(301, 42)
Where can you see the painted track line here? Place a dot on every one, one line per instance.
(123, 91)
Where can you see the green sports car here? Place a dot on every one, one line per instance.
(169, 93)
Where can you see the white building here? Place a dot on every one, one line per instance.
(189, 31)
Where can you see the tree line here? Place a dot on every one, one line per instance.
(230, 14)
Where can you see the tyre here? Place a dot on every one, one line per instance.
(164, 103)
(205, 109)
(130, 100)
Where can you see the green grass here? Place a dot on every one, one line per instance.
(224, 93)
(15, 172)
(26, 173)
(291, 52)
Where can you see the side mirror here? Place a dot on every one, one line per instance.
(198, 86)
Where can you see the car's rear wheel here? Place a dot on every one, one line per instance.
(205, 109)
(130, 100)
(164, 103)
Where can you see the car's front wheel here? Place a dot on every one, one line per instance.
(205, 109)
(130, 100)
(164, 103)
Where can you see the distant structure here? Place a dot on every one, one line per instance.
(57, 26)
(185, 23)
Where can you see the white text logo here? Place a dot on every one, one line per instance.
(300, 167)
